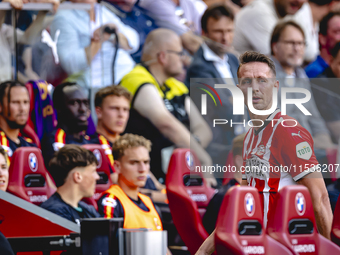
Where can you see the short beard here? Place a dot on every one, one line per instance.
(14, 125)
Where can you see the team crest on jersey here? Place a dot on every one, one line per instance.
(57, 146)
(189, 159)
(300, 203)
(8, 150)
(260, 150)
(109, 201)
(249, 204)
(98, 157)
(33, 162)
(304, 151)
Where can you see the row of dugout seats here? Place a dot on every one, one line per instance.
(29, 179)
(240, 228)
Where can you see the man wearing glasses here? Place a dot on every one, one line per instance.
(160, 103)
(288, 48)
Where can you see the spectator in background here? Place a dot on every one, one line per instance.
(160, 103)
(75, 177)
(213, 208)
(326, 92)
(112, 105)
(308, 18)
(112, 108)
(14, 113)
(180, 16)
(134, 16)
(7, 44)
(333, 193)
(3, 169)
(288, 46)
(214, 60)
(256, 21)
(85, 47)
(329, 35)
(72, 107)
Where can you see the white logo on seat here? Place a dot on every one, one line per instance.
(300, 203)
(33, 162)
(249, 204)
(189, 159)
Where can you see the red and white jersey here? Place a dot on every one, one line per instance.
(277, 154)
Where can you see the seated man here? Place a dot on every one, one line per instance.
(75, 177)
(215, 62)
(3, 170)
(72, 106)
(213, 208)
(328, 36)
(160, 103)
(288, 47)
(327, 94)
(112, 107)
(131, 14)
(180, 16)
(334, 192)
(14, 113)
(132, 162)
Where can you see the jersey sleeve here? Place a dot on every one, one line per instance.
(296, 154)
(110, 207)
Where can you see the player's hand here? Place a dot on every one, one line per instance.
(16, 4)
(211, 181)
(100, 35)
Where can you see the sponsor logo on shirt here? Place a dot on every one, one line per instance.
(260, 150)
(98, 157)
(304, 151)
(57, 146)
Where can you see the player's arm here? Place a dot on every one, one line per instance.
(321, 204)
(150, 105)
(208, 246)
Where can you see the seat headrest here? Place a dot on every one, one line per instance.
(246, 207)
(293, 203)
(27, 175)
(103, 168)
(182, 173)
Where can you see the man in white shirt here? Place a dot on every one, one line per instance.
(86, 51)
(213, 60)
(255, 23)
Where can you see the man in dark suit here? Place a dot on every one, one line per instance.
(214, 62)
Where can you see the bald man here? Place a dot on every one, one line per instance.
(160, 104)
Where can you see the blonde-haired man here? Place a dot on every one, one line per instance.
(132, 163)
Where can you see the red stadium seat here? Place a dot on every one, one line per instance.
(335, 233)
(293, 223)
(30, 133)
(186, 197)
(103, 169)
(239, 228)
(28, 176)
